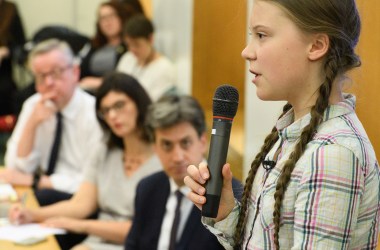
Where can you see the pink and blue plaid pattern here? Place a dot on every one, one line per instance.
(332, 200)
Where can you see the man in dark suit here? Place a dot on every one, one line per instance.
(164, 217)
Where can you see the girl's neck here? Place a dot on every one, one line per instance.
(336, 96)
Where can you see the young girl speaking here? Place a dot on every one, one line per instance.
(322, 190)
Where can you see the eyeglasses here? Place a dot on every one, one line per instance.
(55, 74)
(117, 107)
(107, 17)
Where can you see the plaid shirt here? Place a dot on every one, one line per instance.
(332, 200)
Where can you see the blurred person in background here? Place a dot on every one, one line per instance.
(153, 70)
(56, 129)
(107, 45)
(12, 37)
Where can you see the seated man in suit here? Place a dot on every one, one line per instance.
(177, 125)
(56, 129)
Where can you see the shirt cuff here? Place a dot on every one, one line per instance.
(224, 230)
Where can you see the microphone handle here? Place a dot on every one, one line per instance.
(220, 138)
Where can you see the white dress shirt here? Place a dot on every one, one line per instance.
(81, 131)
(186, 207)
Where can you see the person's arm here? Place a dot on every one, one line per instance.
(328, 198)
(90, 82)
(115, 231)
(40, 113)
(29, 163)
(80, 206)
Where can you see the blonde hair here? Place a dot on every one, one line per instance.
(50, 45)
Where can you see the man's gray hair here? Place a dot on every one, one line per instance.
(171, 110)
(50, 45)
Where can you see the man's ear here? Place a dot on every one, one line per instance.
(320, 44)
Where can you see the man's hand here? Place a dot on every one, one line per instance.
(44, 109)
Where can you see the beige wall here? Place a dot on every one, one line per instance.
(366, 79)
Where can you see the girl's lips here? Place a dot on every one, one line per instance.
(255, 77)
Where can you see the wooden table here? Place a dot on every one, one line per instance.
(50, 244)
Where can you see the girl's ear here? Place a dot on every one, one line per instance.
(319, 46)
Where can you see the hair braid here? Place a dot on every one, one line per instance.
(317, 112)
(269, 141)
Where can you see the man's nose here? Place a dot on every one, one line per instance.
(48, 80)
(178, 153)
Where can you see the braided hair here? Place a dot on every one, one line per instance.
(339, 19)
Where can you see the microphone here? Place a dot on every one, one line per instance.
(224, 107)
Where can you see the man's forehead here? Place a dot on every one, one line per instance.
(175, 133)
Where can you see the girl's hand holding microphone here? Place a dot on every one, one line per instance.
(196, 179)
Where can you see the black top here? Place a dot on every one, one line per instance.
(15, 39)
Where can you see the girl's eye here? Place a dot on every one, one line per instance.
(260, 35)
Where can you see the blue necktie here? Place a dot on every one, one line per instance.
(177, 216)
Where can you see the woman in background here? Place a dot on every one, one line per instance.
(107, 45)
(11, 37)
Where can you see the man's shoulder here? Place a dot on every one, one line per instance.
(84, 96)
(152, 180)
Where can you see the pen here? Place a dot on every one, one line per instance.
(23, 198)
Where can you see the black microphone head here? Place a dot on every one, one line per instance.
(225, 101)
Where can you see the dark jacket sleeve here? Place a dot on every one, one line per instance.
(237, 188)
(131, 241)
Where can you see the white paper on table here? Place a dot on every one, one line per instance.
(7, 192)
(21, 232)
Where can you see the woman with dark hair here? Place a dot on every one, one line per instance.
(113, 171)
(11, 39)
(107, 45)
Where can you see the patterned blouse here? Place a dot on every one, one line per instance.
(332, 200)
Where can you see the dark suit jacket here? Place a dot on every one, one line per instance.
(150, 204)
